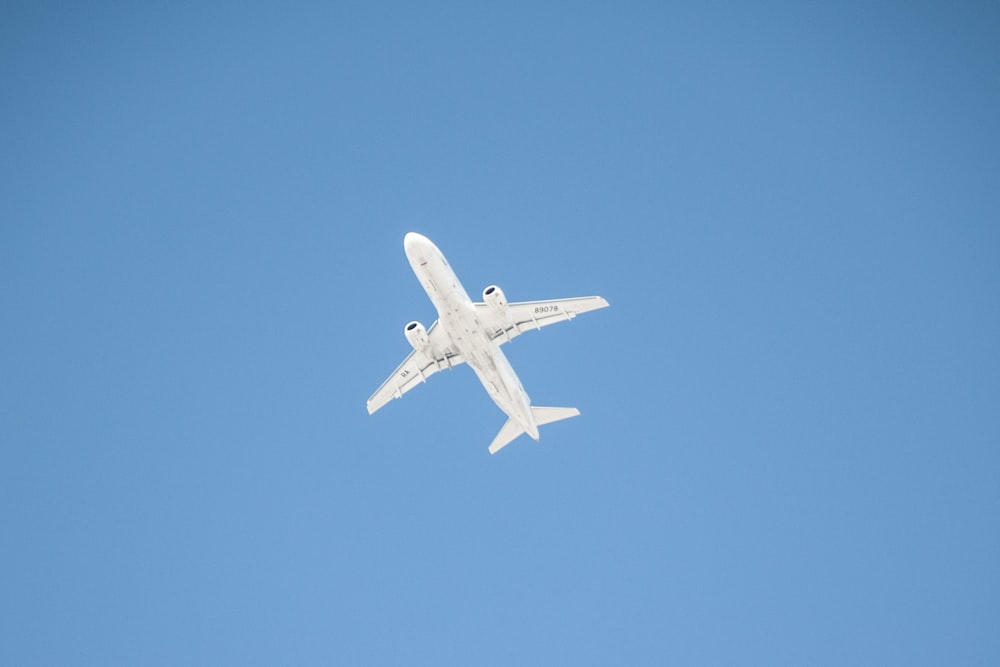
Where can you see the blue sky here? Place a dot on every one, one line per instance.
(789, 448)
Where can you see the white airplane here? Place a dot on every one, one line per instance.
(472, 333)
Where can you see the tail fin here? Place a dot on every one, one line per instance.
(512, 429)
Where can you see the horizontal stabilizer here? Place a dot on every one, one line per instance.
(549, 415)
(509, 431)
(512, 429)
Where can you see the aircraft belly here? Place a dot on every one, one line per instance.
(460, 322)
(483, 356)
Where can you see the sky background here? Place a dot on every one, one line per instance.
(789, 447)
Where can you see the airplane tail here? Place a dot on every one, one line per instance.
(549, 415)
(512, 429)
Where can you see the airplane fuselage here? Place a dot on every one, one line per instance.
(459, 320)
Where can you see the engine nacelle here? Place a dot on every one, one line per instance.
(496, 300)
(416, 334)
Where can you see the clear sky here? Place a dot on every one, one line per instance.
(789, 447)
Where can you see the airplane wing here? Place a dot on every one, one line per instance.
(416, 368)
(527, 315)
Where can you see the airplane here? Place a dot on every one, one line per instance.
(472, 333)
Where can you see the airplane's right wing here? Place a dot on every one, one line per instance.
(527, 315)
(416, 368)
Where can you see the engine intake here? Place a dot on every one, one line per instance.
(416, 334)
(496, 300)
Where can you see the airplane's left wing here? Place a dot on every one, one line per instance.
(416, 368)
(527, 315)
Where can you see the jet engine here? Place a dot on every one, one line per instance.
(416, 334)
(496, 300)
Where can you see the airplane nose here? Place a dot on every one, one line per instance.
(412, 240)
